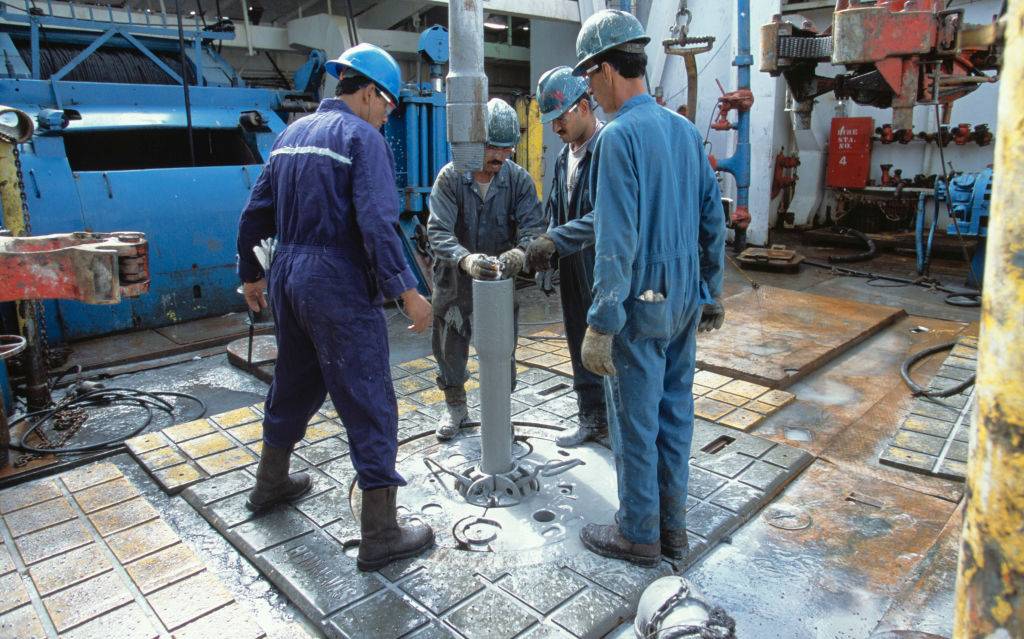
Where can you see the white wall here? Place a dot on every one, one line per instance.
(719, 19)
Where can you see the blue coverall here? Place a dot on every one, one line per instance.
(659, 226)
(571, 228)
(328, 193)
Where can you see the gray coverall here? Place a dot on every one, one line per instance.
(460, 223)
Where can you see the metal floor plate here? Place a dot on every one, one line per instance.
(83, 554)
(532, 578)
(716, 398)
(778, 336)
(934, 438)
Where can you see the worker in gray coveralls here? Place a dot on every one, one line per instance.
(479, 226)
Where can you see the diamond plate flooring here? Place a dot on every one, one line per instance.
(934, 438)
(550, 588)
(185, 454)
(85, 555)
(716, 398)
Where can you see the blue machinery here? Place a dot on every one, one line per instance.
(417, 134)
(112, 152)
(969, 196)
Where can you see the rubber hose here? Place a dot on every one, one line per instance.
(918, 391)
(101, 397)
(857, 257)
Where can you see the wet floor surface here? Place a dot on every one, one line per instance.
(878, 551)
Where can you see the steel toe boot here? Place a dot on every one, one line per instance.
(455, 415)
(607, 541)
(273, 483)
(383, 539)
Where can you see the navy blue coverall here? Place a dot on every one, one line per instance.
(659, 227)
(571, 228)
(328, 193)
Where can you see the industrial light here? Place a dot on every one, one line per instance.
(492, 23)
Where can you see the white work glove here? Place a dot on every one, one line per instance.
(597, 352)
(480, 266)
(264, 252)
(512, 261)
(712, 316)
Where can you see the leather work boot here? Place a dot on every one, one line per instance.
(590, 429)
(455, 415)
(607, 541)
(273, 483)
(675, 544)
(383, 539)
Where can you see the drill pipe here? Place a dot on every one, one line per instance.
(494, 338)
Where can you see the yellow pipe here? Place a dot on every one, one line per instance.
(530, 149)
(10, 194)
(990, 584)
(15, 126)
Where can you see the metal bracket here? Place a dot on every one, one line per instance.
(95, 268)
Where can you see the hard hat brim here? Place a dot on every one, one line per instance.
(336, 69)
(581, 66)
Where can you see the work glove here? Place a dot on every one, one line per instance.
(539, 252)
(512, 261)
(480, 266)
(597, 352)
(711, 317)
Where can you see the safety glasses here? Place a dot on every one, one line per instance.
(561, 119)
(389, 105)
(592, 70)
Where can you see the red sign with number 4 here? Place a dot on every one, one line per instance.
(849, 153)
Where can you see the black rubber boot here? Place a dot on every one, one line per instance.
(590, 429)
(675, 544)
(273, 483)
(455, 415)
(383, 539)
(607, 541)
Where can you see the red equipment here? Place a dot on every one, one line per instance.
(849, 153)
(898, 53)
(95, 268)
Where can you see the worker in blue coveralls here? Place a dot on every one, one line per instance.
(479, 227)
(565, 102)
(659, 243)
(328, 193)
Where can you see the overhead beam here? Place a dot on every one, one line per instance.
(384, 15)
(554, 10)
(397, 42)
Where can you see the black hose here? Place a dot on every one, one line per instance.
(918, 391)
(101, 396)
(921, 281)
(857, 257)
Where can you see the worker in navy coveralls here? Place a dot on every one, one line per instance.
(328, 194)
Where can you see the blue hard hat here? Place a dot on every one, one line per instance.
(373, 62)
(502, 124)
(557, 91)
(609, 29)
